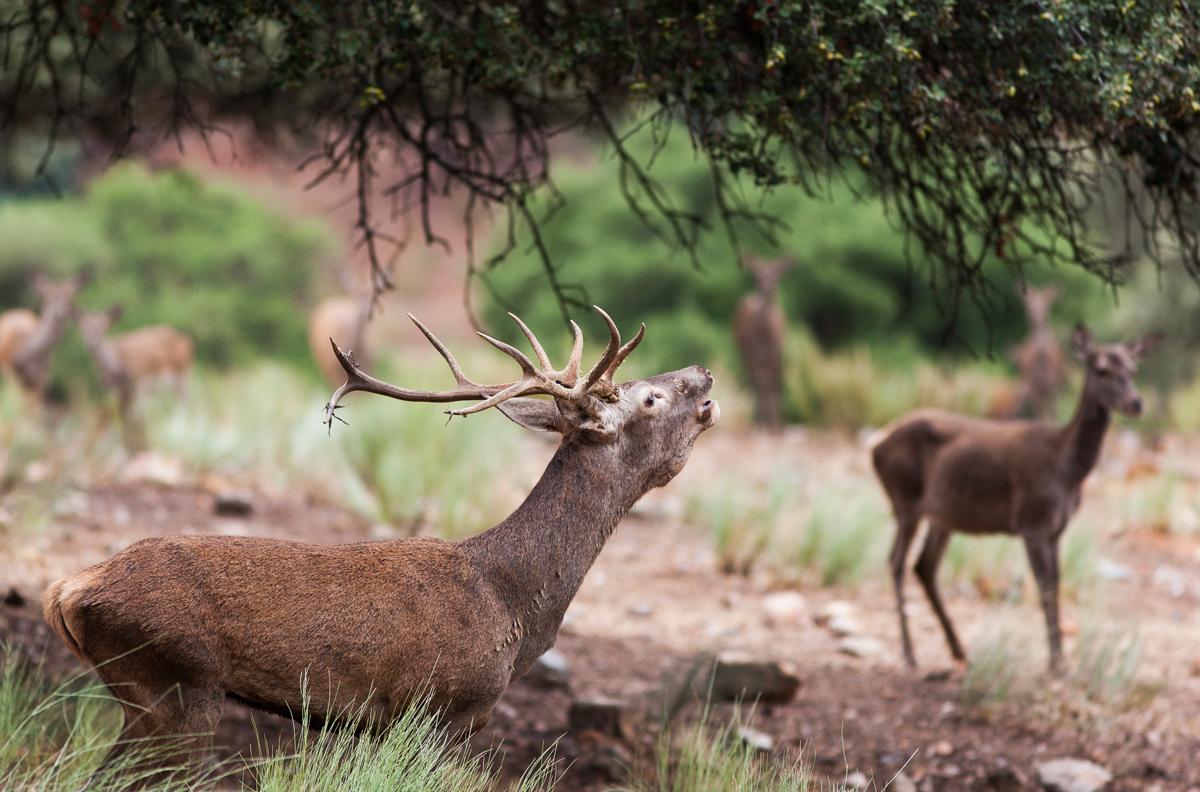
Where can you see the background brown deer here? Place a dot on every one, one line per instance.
(176, 625)
(1013, 477)
(27, 340)
(760, 330)
(1039, 357)
(344, 319)
(128, 360)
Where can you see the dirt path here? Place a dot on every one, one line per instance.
(653, 601)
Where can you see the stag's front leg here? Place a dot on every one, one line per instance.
(1043, 559)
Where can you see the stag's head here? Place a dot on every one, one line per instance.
(1111, 368)
(647, 427)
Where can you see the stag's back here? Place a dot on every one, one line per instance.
(16, 326)
(344, 320)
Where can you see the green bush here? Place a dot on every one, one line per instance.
(853, 285)
(207, 258)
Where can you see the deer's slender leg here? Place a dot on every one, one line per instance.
(926, 569)
(906, 529)
(1043, 559)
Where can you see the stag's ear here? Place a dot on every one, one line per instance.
(1143, 346)
(591, 418)
(1081, 341)
(537, 414)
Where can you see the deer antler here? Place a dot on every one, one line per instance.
(542, 378)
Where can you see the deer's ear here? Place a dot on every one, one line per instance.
(537, 414)
(1143, 346)
(1081, 341)
(591, 418)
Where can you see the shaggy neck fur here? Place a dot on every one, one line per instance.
(538, 556)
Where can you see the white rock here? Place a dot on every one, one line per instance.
(1072, 775)
(784, 608)
(856, 780)
(842, 626)
(834, 609)
(901, 783)
(151, 467)
(759, 741)
(863, 646)
(1112, 570)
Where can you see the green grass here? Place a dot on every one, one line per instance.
(704, 758)
(998, 670)
(1108, 658)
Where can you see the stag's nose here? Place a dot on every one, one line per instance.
(1135, 406)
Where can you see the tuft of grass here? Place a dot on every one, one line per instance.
(1108, 660)
(740, 521)
(843, 536)
(707, 759)
(997, 671)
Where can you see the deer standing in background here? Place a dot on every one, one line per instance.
(177, 625)
(344, 319)
(128, 360)
(27, 340)
(1039, 357)
(759, 328)
(1009, 477)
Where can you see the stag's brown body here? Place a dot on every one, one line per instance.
(175, 626)
(344, 319)
(1000, 477)
(760, 330)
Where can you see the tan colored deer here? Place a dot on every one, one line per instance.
(344, 319)
(1002, 477)
(128, 360)
(1039, 357)
(760, 329)
(27, 340)
(177, 625)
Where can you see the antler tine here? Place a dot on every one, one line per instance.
(543, 359)
(624, 351)
(610, 353)
(571, 372)
(524, 362)
(518, 388)
(459, 377)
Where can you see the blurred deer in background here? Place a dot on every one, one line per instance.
(344, 319)
(176, 625)
(129, 361)
(760, 330)
(27, 340)
(1039, 357)
(1022, 478)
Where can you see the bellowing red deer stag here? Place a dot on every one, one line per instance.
(1009, 477)
(1039, 357)
(344, 319)
(27, 340)
(760, 329)
(176, 625)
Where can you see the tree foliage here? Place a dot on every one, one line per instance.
(988, 128)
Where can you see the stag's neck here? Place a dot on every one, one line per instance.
(1083, 437)
(538, 556)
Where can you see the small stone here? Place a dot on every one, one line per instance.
(1112, 570)
(233, 503)
(759, 741)
(834, 609)
(550, 671)
(783, 608)
(734, 678)
(1072, 775)
(862, 646)
(856, 780)
(604, 716)
(942, 748)
(641, 610)
(902, 783)
(151, 467)
(842, 626)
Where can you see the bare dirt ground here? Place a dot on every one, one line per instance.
(654, 601)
